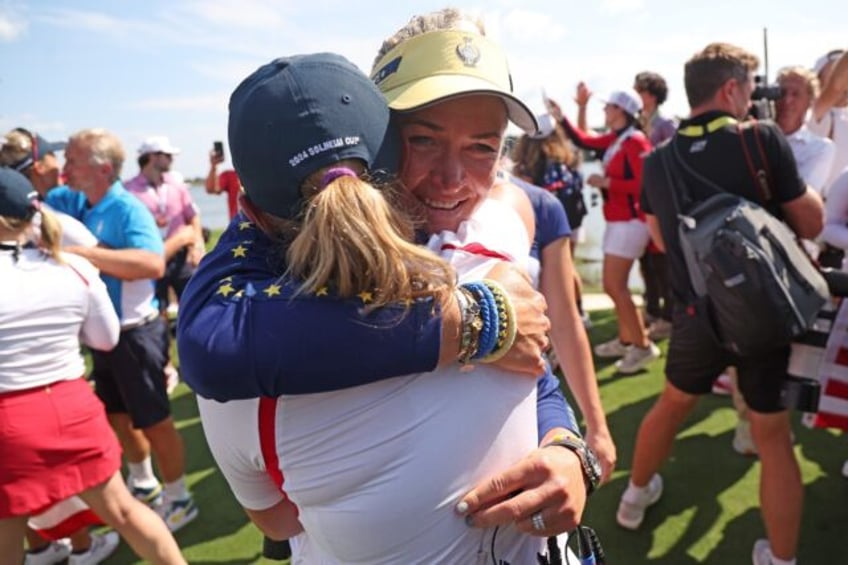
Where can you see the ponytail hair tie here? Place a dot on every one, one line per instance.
(334, 173)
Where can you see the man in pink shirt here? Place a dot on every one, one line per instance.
(168, 199)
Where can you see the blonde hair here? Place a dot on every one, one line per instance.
(15, 149)
(50, 238)
(804, 74)
(104, 148)
(531, 156)
(446, 18)
(355, 240)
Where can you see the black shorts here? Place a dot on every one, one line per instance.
(177, 273)
(130, 379)
(695, 359)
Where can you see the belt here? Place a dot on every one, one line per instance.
(142, 322)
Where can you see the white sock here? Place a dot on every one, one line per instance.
(637, 490)
(776, 561)
(177, 490)
(141, 474)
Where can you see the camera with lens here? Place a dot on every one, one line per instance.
(764, 91)
(763, 98)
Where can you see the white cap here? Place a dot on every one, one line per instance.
(546, 126)
(157, 144)
(627, 100)
(822, 61)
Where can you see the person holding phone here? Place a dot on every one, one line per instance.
(227, 181)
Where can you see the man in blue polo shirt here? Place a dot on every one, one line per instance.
(129, 379)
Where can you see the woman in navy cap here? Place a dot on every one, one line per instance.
(55, 440)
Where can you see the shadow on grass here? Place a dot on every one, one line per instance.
(709, 512)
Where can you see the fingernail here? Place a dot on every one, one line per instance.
(462, 507)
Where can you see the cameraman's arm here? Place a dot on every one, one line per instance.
(835, 87)
(805, 214)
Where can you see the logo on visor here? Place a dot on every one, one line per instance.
(468, 53)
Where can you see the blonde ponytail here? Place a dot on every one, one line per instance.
(354, 241)
(51, 234)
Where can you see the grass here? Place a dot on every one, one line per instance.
(708, 513)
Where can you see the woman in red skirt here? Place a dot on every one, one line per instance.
(55, 441)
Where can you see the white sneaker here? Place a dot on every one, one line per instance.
(102, 546)
(611, 349)
(743, 443)
(151, 496)
(637, 358)
(762, 553)
(845, 469)
(631, 508)
(178, 513)
(53, 553)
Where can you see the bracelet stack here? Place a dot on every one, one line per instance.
(488, 321)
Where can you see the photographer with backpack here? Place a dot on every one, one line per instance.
(712, 153)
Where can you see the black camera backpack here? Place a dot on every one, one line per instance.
(760, 288)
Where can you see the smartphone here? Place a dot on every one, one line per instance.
(218, 148)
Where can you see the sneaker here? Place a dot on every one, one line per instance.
(172, 378)
(178, 513)
(659, 329)
(102, 546)
(743, 443)
(845, 470)
(637, 358)
(762, 553)
(631, 508)
(610, 349)
(52, 553)
(151, 496)
(723, 386)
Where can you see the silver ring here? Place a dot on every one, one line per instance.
(538, 522)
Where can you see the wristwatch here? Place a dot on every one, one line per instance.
(588, 459)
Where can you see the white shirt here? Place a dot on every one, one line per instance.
(376, 470)
(835, 230)
(46, 309)
(814, 155)
(834, 125)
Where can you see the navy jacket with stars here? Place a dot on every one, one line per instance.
(242, 333)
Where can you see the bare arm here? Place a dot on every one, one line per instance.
(212, 186)
(125, 264)
(654, 229)
(582, 100)
(805, 214)
(571, 345)
(278, 522)
(834, 89)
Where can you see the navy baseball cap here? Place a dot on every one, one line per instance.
(17, 196)
(38, 148)
(298, 114)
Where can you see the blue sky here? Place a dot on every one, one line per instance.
(167, 67)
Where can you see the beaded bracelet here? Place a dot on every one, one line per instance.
(489, 314)
(508, 327)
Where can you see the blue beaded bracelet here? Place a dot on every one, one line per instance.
(488, 339)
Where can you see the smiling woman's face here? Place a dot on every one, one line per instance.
(450, 157)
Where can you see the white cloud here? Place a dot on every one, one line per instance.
(11, 26)
(525, 26)
(241, 14)
(618, 7)
(201, 103)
